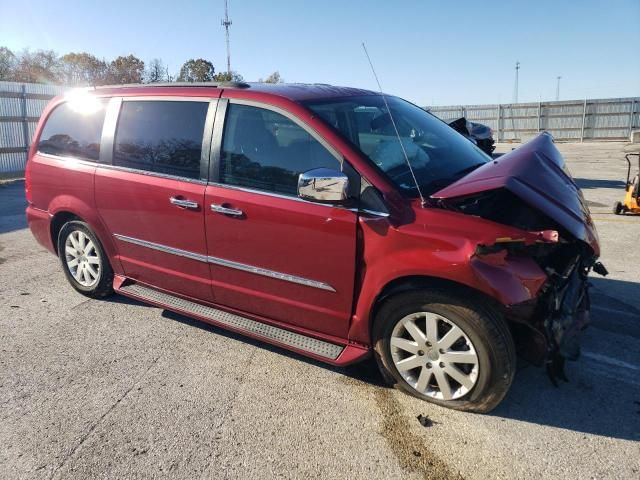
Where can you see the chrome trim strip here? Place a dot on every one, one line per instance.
(152, 174)
(162, 248)
(270, 273)
(227, 263)
(82, 161)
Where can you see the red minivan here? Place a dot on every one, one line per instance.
(335, 222)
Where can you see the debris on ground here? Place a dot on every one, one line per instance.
(425, 421)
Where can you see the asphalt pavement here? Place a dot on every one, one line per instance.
(117, 389)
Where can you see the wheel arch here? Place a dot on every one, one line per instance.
(57, 221)
(62, 216)
(426, 282)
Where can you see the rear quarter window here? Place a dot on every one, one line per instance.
(74, 129)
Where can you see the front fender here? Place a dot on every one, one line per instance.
(435, 255)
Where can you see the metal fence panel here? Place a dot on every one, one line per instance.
(21, 104)
(573, 120)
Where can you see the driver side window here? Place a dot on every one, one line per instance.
(264, 150)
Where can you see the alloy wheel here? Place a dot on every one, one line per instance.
(82, 258)
(434, 356)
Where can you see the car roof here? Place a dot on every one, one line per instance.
(292, 91)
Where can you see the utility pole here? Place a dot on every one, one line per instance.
(515, 88)
(226, 23)
(558, 88)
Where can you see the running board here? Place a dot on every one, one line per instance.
(236, 322)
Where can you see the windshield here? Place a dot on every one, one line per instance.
(438, 154)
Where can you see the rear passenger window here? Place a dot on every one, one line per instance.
(264, 150)
(74, 129)
(161, 136)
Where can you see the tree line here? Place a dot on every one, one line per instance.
(85, 69)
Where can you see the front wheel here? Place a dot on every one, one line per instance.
(446, 349)
(84, 261)
(618, 208)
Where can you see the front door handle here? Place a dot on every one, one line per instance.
(226, 211)
(182, 203)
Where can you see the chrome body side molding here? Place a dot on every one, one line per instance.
(227, 263)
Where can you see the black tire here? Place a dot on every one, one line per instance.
(103, 287)
(479, 321)
(618, 208)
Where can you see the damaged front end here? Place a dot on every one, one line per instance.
(531, 189)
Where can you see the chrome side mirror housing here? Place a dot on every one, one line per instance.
(323, 185)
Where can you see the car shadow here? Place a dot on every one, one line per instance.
(365, 371)
(602, 396)
(585, 183)
(588, 403)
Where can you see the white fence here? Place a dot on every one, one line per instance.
(574, 120)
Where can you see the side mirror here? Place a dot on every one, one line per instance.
(323, 185)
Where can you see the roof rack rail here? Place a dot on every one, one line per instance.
(180, 84)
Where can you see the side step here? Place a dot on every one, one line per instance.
(238, 323)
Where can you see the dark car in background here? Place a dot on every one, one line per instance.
(480, 134)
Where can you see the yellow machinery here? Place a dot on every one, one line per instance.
(630, 202)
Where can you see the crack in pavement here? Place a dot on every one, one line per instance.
(102, 417)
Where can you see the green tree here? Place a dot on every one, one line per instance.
(226, 77)
(7, 64)
(83, 69)
(129, 69)
(196, 70)
(273, 78)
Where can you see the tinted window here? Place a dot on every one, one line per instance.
(161, 136)
(264, 150)
(74, 129)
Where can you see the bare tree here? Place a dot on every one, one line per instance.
(155, 71)
(7, 63)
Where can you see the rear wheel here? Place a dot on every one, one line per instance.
(84, 261)
(452, 352)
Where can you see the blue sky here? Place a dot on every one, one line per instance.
(426, 51)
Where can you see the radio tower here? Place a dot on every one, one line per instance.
(515, 89)
(226, 23)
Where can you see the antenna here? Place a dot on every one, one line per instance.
(226, 23)
(558, 88)
(395, 128)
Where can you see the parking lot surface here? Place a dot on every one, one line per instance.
(118, 389)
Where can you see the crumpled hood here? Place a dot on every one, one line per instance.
(537, 174)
